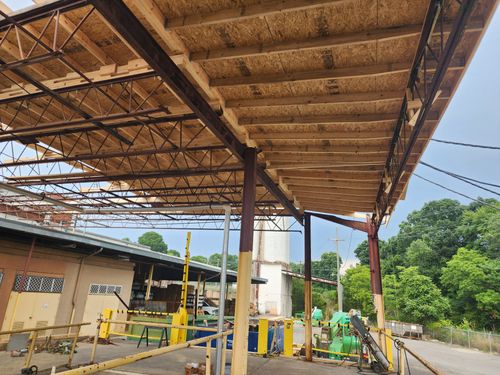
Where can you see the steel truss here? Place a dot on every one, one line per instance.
(424, 86)
(107, 116)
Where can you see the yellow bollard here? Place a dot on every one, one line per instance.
(107, 314)
(388, 348)
(263, 336)
(288, 338)
(178, 335)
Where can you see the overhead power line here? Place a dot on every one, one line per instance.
(456, 192)
(463, 178)
(465, 144)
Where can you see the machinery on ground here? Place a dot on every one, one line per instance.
(337, 338)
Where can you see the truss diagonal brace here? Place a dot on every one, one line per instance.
(353, 224)
(136, 35)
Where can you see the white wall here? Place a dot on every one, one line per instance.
(271, 255)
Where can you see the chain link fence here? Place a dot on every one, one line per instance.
(484, 341)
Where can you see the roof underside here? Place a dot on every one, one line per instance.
(317, 86)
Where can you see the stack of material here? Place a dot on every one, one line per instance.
(195, 368)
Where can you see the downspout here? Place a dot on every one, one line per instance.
(22, 282)
(77, 283)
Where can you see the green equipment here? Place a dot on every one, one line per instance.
(337, 341)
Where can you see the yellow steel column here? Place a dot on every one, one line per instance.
(150, 281)
(240, 336)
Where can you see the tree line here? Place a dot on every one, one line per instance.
(442, 268)
(156, 242)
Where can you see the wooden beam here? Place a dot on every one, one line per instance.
(354, 149)
(332, 174)
(133, 68)
(325, 158)
(319, 119)
(245, 12)
(329, 135)
(313, 75)
(308, 44)
(333, 41)
(344, 199)
(363, 97)
(352, 186)
(301, 190)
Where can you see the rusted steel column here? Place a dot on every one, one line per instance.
(376, 279)
(307, 286)
(240, 336)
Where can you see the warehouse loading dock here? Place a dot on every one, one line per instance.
(161, 113)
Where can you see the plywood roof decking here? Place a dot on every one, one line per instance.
(316, 85)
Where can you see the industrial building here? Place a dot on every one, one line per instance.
(215, 115)
(71, 276)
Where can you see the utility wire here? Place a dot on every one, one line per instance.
(465, 144)
(463, 178)
(456, 192)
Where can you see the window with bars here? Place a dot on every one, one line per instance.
(104, 289)
(41, 284)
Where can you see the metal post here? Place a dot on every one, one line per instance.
(376, 279)
(402, 363)
(240, 337)
(307, 286)
(340, 291)
(219, 366)
(208, 358)
(150, 281)
(96, 340)
(73, 347)
(31, 349)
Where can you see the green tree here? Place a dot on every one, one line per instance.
(326, 267)
(154, 240)
(216, 260)
(480, 228)
(419, 299)
(436, 224)
(297, 295)
(471, 281)
(173, 252)
(199, 258)
(420, 255)
(357, 294)
(362, 253)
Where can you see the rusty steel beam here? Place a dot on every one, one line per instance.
(117, 154)
(125, 176)
(397, 159)
(358, 225)
(56, 130)
(137, 36)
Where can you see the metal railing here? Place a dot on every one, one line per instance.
(484, 341)
(34, 335)
(116, 362)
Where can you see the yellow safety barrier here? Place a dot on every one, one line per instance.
(388, 346)
(141, 312)
(288, 338)
(263, 336)
(107, 314)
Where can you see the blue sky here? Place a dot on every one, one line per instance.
(473, 117)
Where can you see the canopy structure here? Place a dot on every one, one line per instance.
(152, 104)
